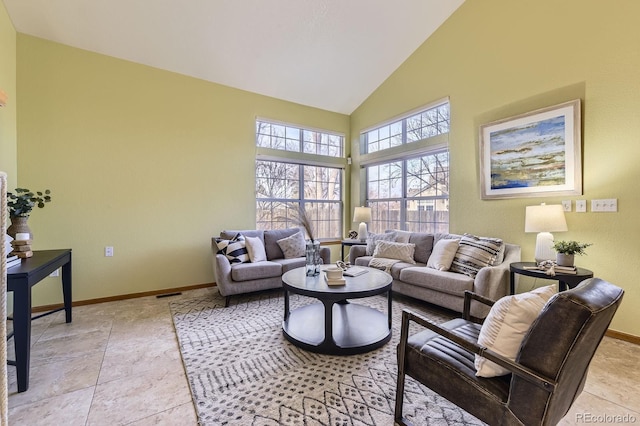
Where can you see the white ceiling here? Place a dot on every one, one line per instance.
(330, 54)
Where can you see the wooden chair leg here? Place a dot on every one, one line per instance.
(226, 301)
(404, 334)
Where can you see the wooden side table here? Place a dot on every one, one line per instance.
(564, 280)
(350, 243)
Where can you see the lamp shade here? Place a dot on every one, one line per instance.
(362, 214)
(545, 218)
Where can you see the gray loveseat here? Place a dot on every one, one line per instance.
(239, 278)
(445, 288)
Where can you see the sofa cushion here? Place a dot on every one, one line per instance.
(373, 238)
(442, 255)
(289, 264)
(475, 253)
(255, 247)
(506, 325)
(293, 246)
(424, 245)
(444, 281)
(234, 249)
(271, 238)
(393, 250)
(255, 271)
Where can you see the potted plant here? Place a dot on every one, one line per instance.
(566, 251)
(20, 205)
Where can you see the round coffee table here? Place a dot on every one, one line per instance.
(336, 326)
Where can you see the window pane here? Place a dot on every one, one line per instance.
(290, 138)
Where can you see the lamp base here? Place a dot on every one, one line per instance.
(362, 232)
(544, 247)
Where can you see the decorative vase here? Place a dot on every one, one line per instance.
(563, 259)
(19, 225)
(312, 258)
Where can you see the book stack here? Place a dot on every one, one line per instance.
(12, 260)
(565, 269)
(334, 281)
(21, 248)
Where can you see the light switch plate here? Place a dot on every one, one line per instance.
(581, 206)
(566, 205)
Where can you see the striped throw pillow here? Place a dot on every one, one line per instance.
(475, 253)
(234, 249)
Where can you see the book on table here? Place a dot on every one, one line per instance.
(334, 281)
(354, 271)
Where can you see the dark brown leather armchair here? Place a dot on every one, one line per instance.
(549, 372)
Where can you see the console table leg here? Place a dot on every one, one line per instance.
(66, 290)
(22, 334)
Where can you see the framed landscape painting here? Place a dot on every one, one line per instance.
(532, 155)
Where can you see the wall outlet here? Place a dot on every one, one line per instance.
(108, 251)
(581, 206)
(566, 205)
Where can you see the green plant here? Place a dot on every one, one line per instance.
(24, 200)
(570, 247)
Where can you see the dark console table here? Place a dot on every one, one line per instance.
(20, 279)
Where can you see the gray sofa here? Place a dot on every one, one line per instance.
(240, 278)
(445, 288)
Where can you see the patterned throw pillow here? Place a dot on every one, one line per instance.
(234, 249)
(393, 250)
(293, 246)
(372, 238)
(475, 253)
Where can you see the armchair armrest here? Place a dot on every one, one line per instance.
(527, 374)
(468, 296)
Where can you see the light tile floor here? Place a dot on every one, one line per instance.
(118, 363)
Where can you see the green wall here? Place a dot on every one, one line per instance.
(155, 163)
(498, 58)
(8, 132)
(147, 161)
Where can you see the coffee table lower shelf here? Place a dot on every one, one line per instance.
(355, 329)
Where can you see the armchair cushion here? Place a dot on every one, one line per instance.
(506, 325)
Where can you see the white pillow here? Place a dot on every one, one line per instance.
(506, 325)
(443, 254)
(402, 236)
(256, 249)
(393, 250)
(293, 246)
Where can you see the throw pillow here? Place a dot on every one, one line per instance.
(442, 255)
(292, 246)
(475, 253)
(393, 250)
(402, 236)
(234, 249)
(372, 238)
(506, 325)
(256, 250)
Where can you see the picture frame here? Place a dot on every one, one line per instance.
(536, 154)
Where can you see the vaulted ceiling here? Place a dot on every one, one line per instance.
(329, 54)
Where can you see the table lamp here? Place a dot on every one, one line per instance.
(545, 219)
(362, 215)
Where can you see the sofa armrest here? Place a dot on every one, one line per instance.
(355, 252)
(222, 273)
(492, 282)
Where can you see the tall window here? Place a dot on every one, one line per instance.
(410, 191)
(283, 185)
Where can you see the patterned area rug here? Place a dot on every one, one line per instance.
(242, 371)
